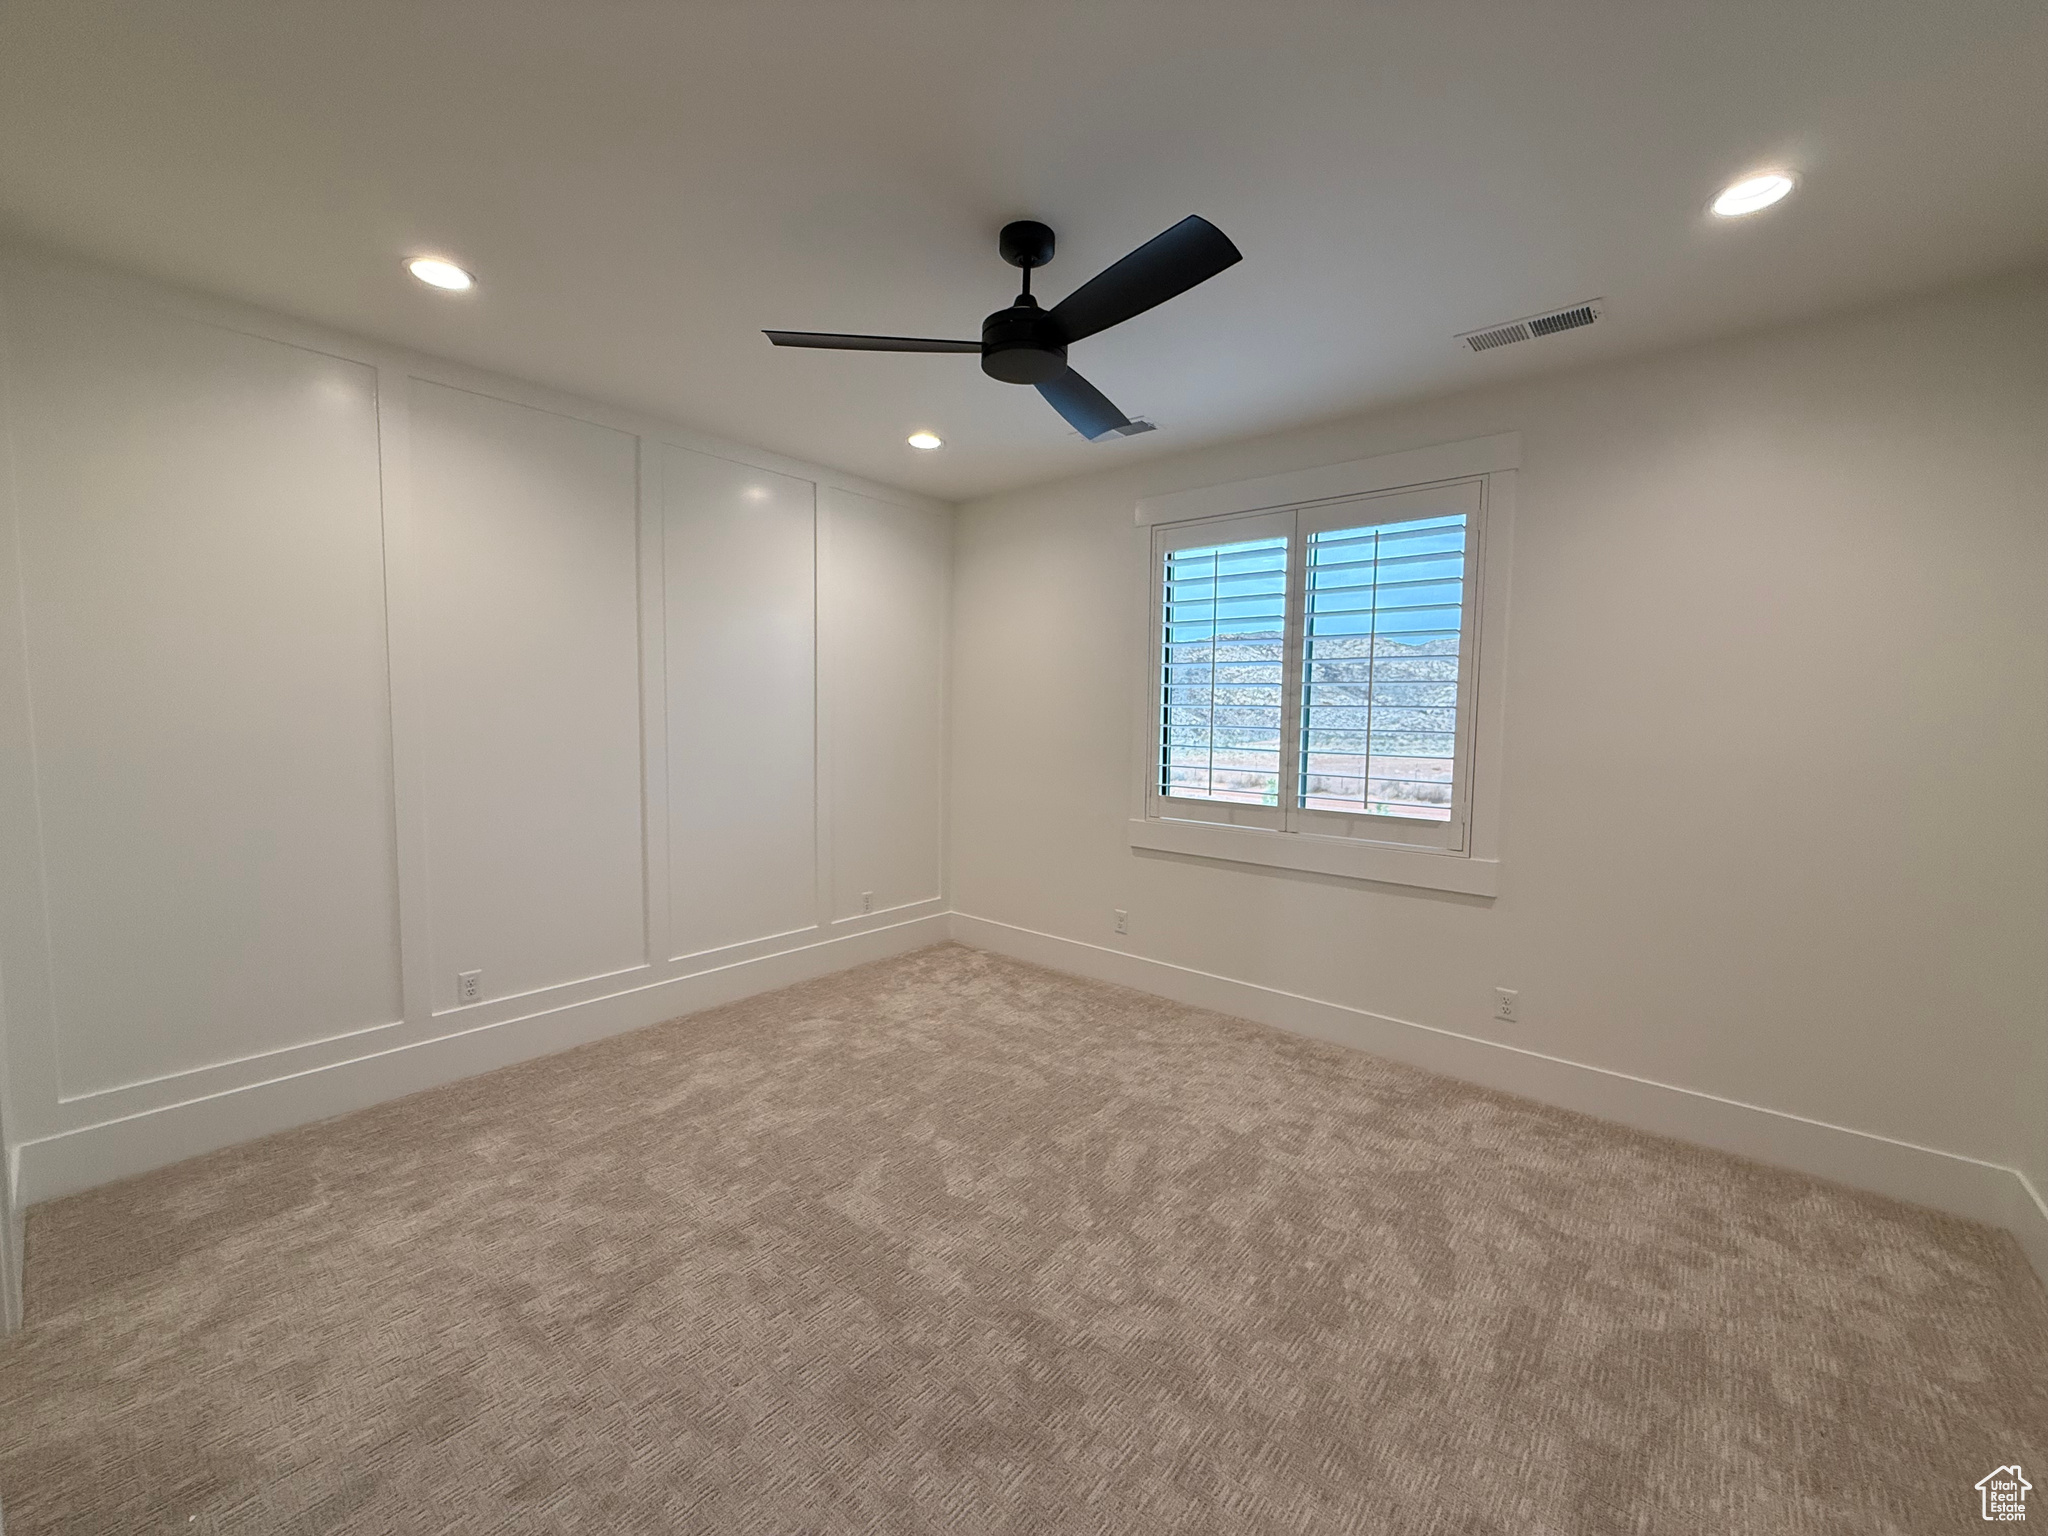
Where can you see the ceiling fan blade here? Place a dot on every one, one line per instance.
(1086, 408)
(838, 343)
(1191, 252)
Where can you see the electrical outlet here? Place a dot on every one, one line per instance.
(1123, 921)
(469, 986)
(1504, 1005)
(867, 901)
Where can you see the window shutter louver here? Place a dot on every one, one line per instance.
(1224, 672)
(1379, 699)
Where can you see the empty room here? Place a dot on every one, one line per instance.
(804, 767)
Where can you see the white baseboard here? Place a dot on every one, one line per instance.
(10, 1247)
(118, 1148)
(1947, 1181)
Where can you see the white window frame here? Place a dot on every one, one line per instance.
(1461, 855)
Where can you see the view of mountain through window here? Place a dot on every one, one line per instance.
(1379, 698)
(1225, 638)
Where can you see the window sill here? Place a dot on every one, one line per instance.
(1345, 857)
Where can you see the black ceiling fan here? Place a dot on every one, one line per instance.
(1028, 345)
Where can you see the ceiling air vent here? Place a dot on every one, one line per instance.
(1509, 331)
(1499, 336)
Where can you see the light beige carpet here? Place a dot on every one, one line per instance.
(951, 1244)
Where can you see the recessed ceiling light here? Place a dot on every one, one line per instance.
(1752, 193)
(926, 440)
(436, 273)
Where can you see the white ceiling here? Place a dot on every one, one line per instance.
(643, 186)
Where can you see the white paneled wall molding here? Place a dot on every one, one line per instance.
(368, 721)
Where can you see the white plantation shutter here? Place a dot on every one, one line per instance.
(1314, 667)
(1223, 705)
(1380, 668)
(1225, 654)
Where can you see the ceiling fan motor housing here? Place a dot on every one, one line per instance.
(1022, 345)
(1026, 243)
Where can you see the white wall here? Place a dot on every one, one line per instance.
(887, 751)
(527, 532)
(329, 672)
(741, 548)
(203, 600)
(1774, 827)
